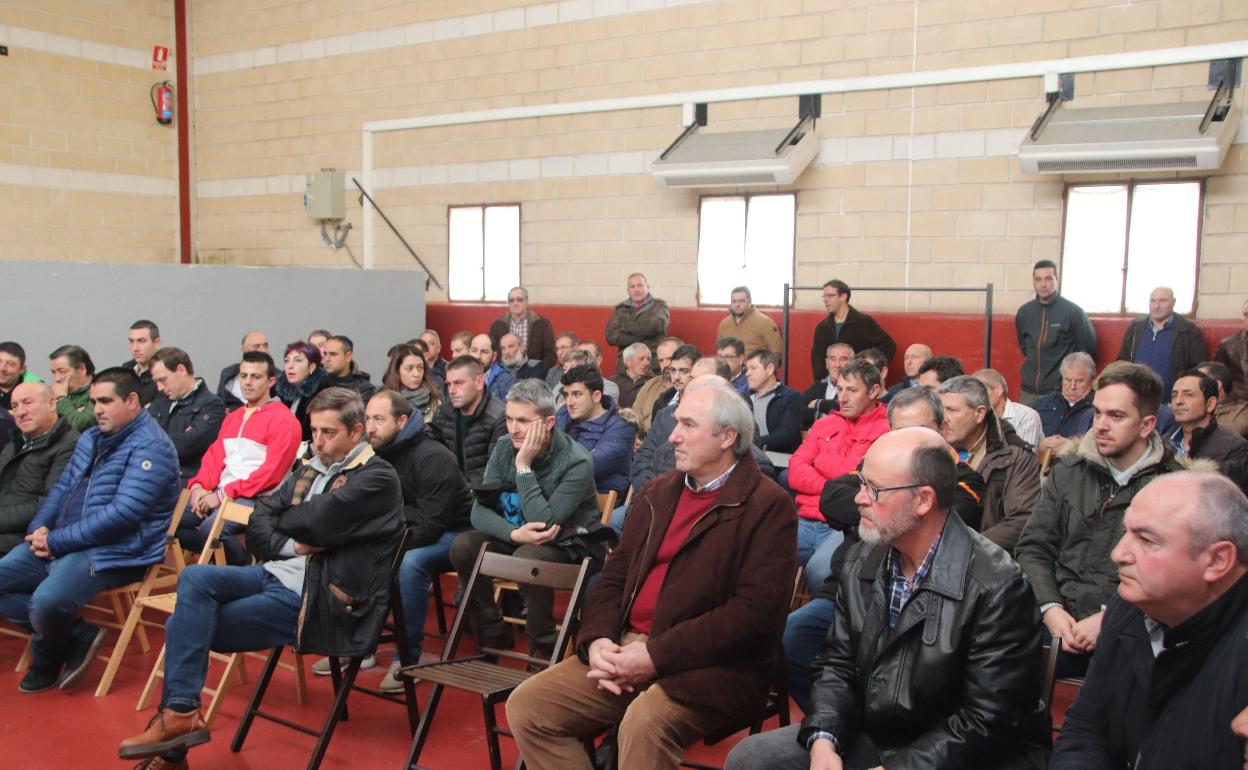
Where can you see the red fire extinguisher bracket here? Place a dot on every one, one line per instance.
(162, 102)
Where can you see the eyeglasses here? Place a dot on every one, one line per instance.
(515, 299)
(875, 491)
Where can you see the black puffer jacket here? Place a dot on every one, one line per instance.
(192, 426)
(357, 380)
(956, 682)
(298, 396)
(436, 499)
(485, 427)
(27, 474)
(357, 520)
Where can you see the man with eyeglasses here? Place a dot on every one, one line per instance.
(935, 658)
(679, 370)
(755, 330)
(644, 403)
(536, 335)
(847, 325)
(732, 350)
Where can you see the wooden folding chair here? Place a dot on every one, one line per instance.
(484, 673)
(159, 577)
(343, 681)
(235, 668)
(606, 504)
(23, 662)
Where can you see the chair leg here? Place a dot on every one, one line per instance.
(337, 712)
(335, 678)
(439, 605)
(491, 735)
(301, 681)
(157, 673)
(119, 650)
(422, 729)
(218, 696)
(253, 705)
(23, 662)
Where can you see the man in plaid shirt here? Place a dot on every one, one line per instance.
(934, 658)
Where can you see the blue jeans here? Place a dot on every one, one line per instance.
(617, 519)
(45, 596)
(227, 609)
(193, 533)
(816, 542)
(416, 573)
(805, 634)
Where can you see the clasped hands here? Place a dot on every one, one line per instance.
(620, 669)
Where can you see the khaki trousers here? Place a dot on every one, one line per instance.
(552, 713)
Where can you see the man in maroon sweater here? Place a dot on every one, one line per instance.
(680, 635)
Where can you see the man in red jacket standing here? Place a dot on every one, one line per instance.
(680, 635)
(254, 450)
(833, 447)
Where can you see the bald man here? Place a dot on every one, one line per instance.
(1164, 341)
(951, 634)
(1169, 676)
(31, 464)
(911, 362)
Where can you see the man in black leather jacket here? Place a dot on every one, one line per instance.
(934, 661)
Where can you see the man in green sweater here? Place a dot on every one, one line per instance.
(536, 500)
(72, 371)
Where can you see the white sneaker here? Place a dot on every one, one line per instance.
(321, 667)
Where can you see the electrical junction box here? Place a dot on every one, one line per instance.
(324, 197)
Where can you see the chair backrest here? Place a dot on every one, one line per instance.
(606, 504)
(556, 576)
(179, 508)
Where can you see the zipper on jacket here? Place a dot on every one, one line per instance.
(628, 608)
(1044, 334)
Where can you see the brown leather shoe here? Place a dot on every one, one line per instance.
(168, 731)
(160, 763)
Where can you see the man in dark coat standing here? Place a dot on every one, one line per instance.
(680, 635)
(1171, 667)
(845, 325)
(1164, 341)
(536, 335)
(640, 318)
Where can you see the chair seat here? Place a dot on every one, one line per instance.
(472, 674)
(162, 602)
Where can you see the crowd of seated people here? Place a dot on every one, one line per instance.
(510, 441)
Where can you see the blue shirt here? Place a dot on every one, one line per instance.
(899, 589)
(1154, 351)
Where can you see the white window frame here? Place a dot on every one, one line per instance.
(1135, 302)
(489, 281)
(748, 272)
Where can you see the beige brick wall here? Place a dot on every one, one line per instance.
(85, 171)
(282, 89)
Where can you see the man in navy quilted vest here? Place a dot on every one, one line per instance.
(101, 526)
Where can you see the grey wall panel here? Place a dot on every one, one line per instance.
(204, 309)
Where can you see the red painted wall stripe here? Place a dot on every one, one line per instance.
(183, 98)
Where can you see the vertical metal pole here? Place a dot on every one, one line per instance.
(784, 361)
(988, 327)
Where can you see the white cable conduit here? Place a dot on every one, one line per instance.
(1047, 67)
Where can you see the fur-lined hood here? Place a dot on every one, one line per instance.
(1084, 447)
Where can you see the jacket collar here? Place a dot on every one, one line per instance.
(1156, 453)
(947, 575)
(106, 442)
(530, 317)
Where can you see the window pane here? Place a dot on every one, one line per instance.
(721, 248)
(464, 252)
(502, 251)
(769, 247)
(1163, 244)
(1094, 246)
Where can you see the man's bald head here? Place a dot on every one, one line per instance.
(915, 356)
(710, 365)
(34, 408)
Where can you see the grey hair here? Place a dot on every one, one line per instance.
(535, 392)
(1079, 358)
(346, 402)
(974, 391)
(913, 395)
(728, 410)
(991, 378)
(577, 357)
(634, 350)
(1220, 512)
(432, 333)
(520, 289)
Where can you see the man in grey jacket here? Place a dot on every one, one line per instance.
(1049, 328)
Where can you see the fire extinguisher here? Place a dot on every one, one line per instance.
(162, 102)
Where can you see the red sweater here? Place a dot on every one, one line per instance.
(690, 508)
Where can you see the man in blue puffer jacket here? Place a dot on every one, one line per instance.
(101, 526)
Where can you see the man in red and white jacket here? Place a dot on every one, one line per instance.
(254, 450)
(833, 447)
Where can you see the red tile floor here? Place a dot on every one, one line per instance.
(54, 730)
